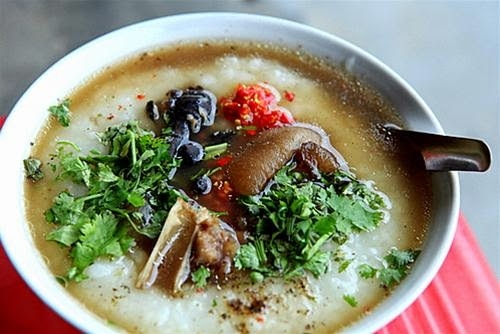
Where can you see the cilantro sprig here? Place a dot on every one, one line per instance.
(200, 276)
(61, 112)
(351, 300)
(126, 190)
(32, 169)
(298, 222)
(396, 265)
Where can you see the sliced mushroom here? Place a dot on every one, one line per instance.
(152, 110)
(269, 151)
(195, 105)
(179, 137)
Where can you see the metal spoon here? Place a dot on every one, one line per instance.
(445, 153)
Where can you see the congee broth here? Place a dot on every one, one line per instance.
(225, 186)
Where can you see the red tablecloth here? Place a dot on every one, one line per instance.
(463, 298)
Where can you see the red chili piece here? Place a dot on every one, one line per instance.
(256, 105)
(223, 161)
(289, 96)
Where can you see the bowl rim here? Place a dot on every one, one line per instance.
(27, 262)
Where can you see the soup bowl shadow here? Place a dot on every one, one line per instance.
(25, 120)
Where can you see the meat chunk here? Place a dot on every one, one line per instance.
(312, 158)
(190, 235)
(269, 151)
(215, 244)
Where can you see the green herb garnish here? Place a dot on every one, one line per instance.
(61, 112)
(298, 222)
(214, 151)
(32, 168)
(396, 265)
(351, 300)
(125, 189)
(366, 271)
(343, 266)
(200, 276)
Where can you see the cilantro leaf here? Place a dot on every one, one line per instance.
(295, 219)
(366, 271)
(318, 264)
(66, 235)
(61, 112)
(400, 259)
(200, 276)
(389, 276)
(344, 265)
(396, 265)
(99, 236)
(247, 257)
(66, 210)
(71, 167)
(125, 189)
(351, 300)
(32, 168)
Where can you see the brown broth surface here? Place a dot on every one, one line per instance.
(344, 107)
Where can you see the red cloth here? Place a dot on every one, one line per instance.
(21, 310)
(463, 298)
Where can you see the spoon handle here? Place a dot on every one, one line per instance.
(447, 153)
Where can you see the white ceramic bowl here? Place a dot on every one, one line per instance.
(25, 120)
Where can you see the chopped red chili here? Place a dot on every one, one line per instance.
(223, 161)
(256, 105)
(289, 96)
